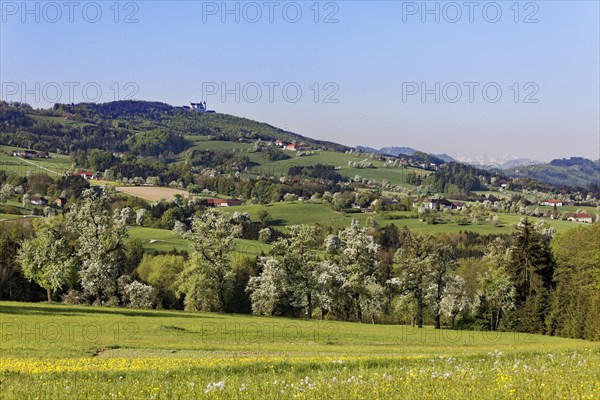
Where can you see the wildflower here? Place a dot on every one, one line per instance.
(215, 386)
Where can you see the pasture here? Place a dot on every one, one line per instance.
(396, 176)
(55, 166)
(293, 213)
(74, 352)
(163, 240)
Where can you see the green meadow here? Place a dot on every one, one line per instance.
(164, 240)
(70, 352)
(285, 214)
(55, 166)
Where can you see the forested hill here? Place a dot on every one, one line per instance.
(111, 126)
(572, 172)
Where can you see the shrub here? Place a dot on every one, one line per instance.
(139, 295)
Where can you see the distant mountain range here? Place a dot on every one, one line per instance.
(575, 171)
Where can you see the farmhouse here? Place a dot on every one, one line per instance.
(582, 218)
(552, 202)
(295, 146)
(38, 201)
(224, 202)
(24, 153)
(85, 174)
(437, 204)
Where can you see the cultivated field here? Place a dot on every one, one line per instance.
(152, 193)
(65, 352)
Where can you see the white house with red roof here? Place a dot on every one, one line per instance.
(587, 218)
(552, 203)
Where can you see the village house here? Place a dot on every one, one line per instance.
(552, 203)
(437, 204)
(85, 174)
(224, 202)
(38, 201)
(587, 218)
(295, 146)
(24, 153)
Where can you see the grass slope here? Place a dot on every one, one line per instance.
(54, 351)
(164, 240)
(55, 166)
(294, 213)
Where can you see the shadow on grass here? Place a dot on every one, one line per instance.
(56, 310)
(277, 222)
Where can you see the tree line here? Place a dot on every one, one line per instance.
(530, 282)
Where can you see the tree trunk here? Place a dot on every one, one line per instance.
(98, 300)
(420, 309)
(498, 318)
(221, 300)
(49, 293)
(358, 309)
(309, 301)
(438, 321)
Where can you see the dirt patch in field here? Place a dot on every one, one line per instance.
(152, 193)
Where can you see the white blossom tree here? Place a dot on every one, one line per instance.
(179, 228)
(496, 295)
(139, 295)
(297, 259)
(356, 259)
(100, 241)
(456, 298)
(47, 258)
(414, 268)
(140, 216)
(266, 289)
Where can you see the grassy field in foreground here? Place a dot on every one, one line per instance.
(55, 351)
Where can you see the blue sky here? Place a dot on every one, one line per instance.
(361, 67)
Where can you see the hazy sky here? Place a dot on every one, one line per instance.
(485, 78)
